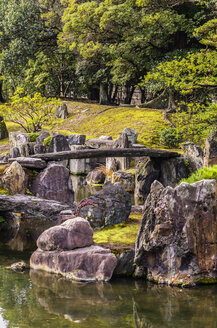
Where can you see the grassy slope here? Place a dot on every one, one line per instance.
(147, 122)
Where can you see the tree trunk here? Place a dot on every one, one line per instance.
(103, 94)
(129, 94)
(172, 107)
(1, 93)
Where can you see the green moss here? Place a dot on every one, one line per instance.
(3, 191)
(2, 219)
(123, 233)
(33, 136)
(28, 192)
(204, 173)
(47, 141)
(207, 281)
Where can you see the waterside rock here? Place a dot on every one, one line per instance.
(111, 205)
(92, 263)
(15, 179)
(54, 183)
(125, 178)
(176, 244)
(73, 233)
(95, 177)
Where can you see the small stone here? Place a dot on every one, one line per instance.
(62, 111)
(58, 143)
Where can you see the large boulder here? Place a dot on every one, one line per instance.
(127, 179)
(21, 140)
(73, 233)
(132, 135)
(176, 243)
(58, 143)
(111, 205)
(210, 150)
(95, 177)
(193, 155)
(173, 170)
(54, 183)
(62, 111)
(15, 179)
(92, 263)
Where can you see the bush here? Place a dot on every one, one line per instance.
(204, 173)
(170, 137)
(33, 136)
(47, 141)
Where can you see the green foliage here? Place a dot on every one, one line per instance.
(2, 219)
(33, 136)
(195, 122)
(31, 113)
(170, 137)
(47, 141)
(204, 173)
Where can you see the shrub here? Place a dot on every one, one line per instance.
(33, 136)
(47, 141)
(204, 173)
(170, 137)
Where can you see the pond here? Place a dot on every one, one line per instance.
(36, 299)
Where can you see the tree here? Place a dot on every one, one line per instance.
(31, 113)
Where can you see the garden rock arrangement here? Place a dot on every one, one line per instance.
(176, 243)
(60, 252)
(14, 179)
(111, 205)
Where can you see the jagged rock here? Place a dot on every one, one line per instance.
(125, 178)
(176, 243)
(14, 152)
(194, 155)
(132, 135)
(125, 265)
(29, 162)
(76, 139)
(14, 179)
(95, 177)
(146, 171)
(3, 129)
(172, 170)
(92, 263)
(210, 150)
(119, 163)
(21, 141)
(73, 233)
(41, 138)
(54, 183)
(62, 111)
(58, 143)
(111, 205)
(31, 206)
(39, 149)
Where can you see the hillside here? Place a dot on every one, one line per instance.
(95, 120)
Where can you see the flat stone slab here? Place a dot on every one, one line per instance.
(92, 263)
(32, 206)
(34, 163)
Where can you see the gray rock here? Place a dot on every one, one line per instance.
(62, 111)
(125, 178)
(119, 163)
(132, 135)
(210, 150)
(76, 139)
(105, 137)
(54, 183)
(99, 143)
(95, 177)
(58, 143)
(84, 264)
(173, 170)
(41, 138)
(34, 163)
(111, 205)
(21, 141)
(73, 233)
(39, 149)
(14, 152)
(33, 207)
(193, 154)
(125, 265)
(176, 243)
(14, 179)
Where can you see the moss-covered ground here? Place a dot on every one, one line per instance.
(121, 236)
(94, 120)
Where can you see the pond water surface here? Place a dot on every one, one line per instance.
(40, 300)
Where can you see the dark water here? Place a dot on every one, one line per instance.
(43, 300)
